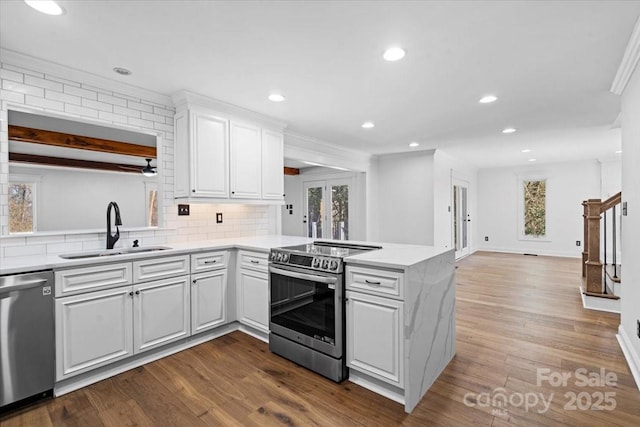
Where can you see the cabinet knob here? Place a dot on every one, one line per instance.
(233, 192)
(194, 281)
(137, 292)
(193, 191)
(130, 294)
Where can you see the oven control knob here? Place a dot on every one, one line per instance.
(333, 265)
(279, 257)
(272, 256)
(285, 257)
(316, 263)
(325, 264)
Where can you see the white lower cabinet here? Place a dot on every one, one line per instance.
(253, 294)
(93, 330)
(208, 300)
(374, 336)
(161, 312)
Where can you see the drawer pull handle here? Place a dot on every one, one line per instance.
(369, 282)
(211, 262)
(253, 261)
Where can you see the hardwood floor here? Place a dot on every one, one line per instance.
(515, 315)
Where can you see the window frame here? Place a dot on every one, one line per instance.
(521, 210)
(35, 181)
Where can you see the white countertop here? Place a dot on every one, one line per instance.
(392, 255)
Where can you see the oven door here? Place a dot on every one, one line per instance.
(307, 307)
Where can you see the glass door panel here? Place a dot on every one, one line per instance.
(314, 201)
(340, 211)
(461, 219)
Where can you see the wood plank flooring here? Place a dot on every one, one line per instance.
(515, 315)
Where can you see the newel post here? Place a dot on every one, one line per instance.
(585, 238)
(593, 266)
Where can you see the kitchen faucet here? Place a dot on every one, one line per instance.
(113, 238)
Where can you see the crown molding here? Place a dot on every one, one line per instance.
(22, 60)
(629, 61)
(186, 99)
(305, 148)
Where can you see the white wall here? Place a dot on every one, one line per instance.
(292, 223)
(404, 208)
(630, 308)
(610, 178)
(33, 85)
(568, 184)
(446, 168)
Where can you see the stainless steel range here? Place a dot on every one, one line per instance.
(306, 315)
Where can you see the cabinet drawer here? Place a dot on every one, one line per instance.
(254, 260)
(86, 279)
(159, 268)
(374, 281)
(206, 261)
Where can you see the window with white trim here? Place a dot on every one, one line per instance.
(22, 205)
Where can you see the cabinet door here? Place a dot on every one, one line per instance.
(209, 156)
(272, 165)
(92, 330)
(161, 312)
(181, 169)
(246, 155)
(253, 299)
(208, 300)
(374, 337)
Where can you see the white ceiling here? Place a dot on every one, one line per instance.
(550, 63)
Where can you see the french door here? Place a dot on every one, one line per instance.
(461, 218)
(327, 209)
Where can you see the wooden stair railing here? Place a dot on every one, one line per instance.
(592, 268)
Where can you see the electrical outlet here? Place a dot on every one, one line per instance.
(218, 217)
(578, 243)
(486, 238)
(183, 210)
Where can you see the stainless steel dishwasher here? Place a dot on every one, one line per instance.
(27, 338)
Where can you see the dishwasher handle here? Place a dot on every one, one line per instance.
(7, 286)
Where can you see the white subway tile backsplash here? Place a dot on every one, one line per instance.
(83, 93)
(44, 103)
(22, 88)
(34, 89)
(139, 106)
(11, 75)
(117, 118)
(62, 97)
(43, 83)
(101, 106)
(110, 99)
(81, 111)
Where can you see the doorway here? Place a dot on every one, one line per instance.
(327, 209)
(461, 218)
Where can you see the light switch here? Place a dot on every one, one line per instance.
(218, 217)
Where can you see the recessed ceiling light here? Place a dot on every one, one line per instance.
(276, 97)
(414, 144)
(368, 125)
(488, 99)
(619, 152)
(45, 6)
(532, 160)
(508, 130)
(122, 71)
(394, 53)
(526, 150)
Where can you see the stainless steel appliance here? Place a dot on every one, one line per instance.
(307, 315)
(27, 346)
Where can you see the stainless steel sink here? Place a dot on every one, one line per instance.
(111, 252)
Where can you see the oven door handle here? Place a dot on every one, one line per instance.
(303, 276)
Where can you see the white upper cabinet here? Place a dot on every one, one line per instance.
(272, 165)
(225, 153)
(201, 155)
(246, 164)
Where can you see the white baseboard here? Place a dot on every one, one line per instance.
(376, 386)
(529, 251)
(600, 304)
(633, 358)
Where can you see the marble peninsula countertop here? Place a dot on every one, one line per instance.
(392, 255)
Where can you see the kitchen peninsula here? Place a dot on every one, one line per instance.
(400, 333)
